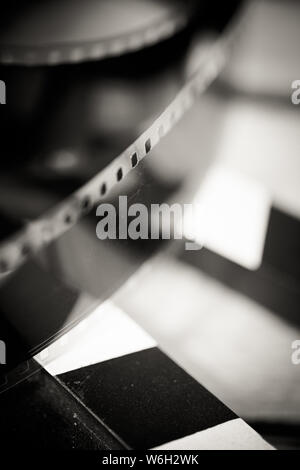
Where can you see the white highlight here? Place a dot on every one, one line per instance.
(231, 216)
(232, 435)
(109, 333)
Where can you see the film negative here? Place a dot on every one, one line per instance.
(53, 222)
(27, 279)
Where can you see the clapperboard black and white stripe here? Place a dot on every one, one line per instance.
(118, 373)
(275, 284)
(235, 314)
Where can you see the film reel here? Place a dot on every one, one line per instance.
(54, 222)
(43, 34)
(18, 251)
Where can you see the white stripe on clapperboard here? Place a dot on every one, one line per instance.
(231, 435)
(110, 333)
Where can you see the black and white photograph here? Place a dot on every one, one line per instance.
(149, 228)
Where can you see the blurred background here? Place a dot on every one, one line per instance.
(229, 326)
(228, 313)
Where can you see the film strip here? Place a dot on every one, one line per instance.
(20, 373)
(61, 348)
(54, 222)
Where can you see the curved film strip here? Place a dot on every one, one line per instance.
(54, 222)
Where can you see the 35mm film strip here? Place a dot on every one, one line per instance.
(54, 222)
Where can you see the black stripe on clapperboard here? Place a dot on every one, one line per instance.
(276, 283)
(112, 380)
(146, 399)
(37, 413)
